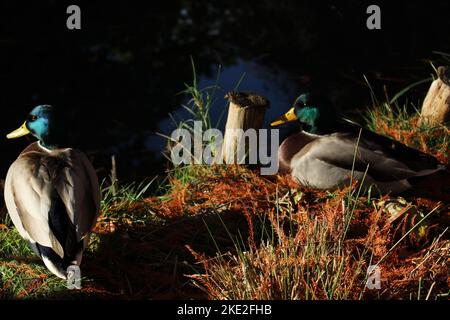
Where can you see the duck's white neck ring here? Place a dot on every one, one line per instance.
(46, 149)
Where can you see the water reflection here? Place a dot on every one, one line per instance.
(118, 77)
(278, 87)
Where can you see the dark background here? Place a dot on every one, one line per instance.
(120, 75)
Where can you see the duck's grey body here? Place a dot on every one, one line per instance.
(329, 161)
(53, 199)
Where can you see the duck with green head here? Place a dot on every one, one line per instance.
(329, 154)
(52, 192)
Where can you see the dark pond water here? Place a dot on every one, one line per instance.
(119, 76)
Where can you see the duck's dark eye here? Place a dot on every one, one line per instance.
(299, 105)
(32, 118)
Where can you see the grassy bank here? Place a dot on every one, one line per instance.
(225, 232)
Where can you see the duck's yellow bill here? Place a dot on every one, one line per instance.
(22, 131)
(287, 117)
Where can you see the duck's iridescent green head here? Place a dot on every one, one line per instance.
(46, 124)
(307, 111)
(313, 112)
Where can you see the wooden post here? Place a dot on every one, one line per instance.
(246, 111)
(436, 106)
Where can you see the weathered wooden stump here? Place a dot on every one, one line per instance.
(246, 111)
(436, 106)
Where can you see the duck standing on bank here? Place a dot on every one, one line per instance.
(326, 154)
(52, 192)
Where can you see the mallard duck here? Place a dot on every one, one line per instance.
(327, 154)
(52, 192)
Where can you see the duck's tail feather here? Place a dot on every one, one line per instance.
(52, 261)
(57, 265)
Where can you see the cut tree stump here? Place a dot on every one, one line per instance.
(436, 106)
(246, 111)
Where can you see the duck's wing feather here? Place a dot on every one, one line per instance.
(80, 192)
(413, 158)
(384, 159)
(28, 196)
(35, 187)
